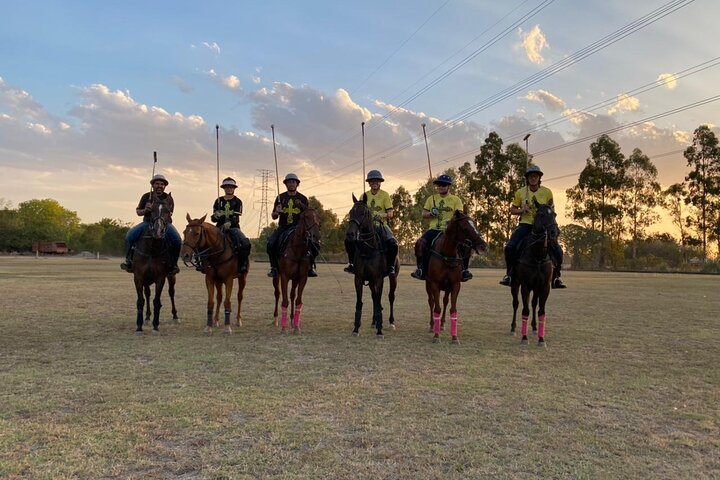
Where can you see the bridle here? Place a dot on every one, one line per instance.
(200, 256)
(367, 234)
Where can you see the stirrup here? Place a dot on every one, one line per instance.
(506, 281)
(349, 268)
(174, 270)
(127, 266)
(557, 283)
(418, 274)
(466, 275)
(312, 273)
(391, 271)
(272, 273)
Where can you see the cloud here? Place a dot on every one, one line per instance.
(212, 46)
(550, 101)
(180, 82)
(533, 42)
(577, 117)
(668, 79)
(231, 82)
(625, 103)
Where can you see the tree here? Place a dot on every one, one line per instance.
(47, 220)
(12, 236)
(641, 196)
(703, 184)
(332, 236)
(674, 201)
(407, 220)
(596, 200)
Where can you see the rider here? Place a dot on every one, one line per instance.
(288, 206)
(144, 209)
(440, 208)
(226, 215)
(524, 206)
(382, 210)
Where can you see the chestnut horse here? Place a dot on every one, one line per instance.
(151, 265)
(445, 268)
(211, 252)
(370, 265)
(533, 273)
(294, 263)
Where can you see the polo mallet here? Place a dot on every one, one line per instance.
(527, 164)
(362, 127)
(217, 157)
(277, 174)
(427, 151)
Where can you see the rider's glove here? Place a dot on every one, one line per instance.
(434, 212)
(226, 225)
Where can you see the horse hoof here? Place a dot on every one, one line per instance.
(355, 334)
(154, 333)
(524, 341)
(207, 330)
(541, 343)
(176, 321)
(512, 334)
(296, 331)
(138, 333)
(379, 336)
(392, 326)
(455, 341)
(228, 331)
(436, 339)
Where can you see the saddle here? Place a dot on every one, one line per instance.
(284, 239)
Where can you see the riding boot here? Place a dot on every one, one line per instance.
(419, 273)
(391, 251)
(313, 269)
(557, 281)
(127, 265)
(509, 261)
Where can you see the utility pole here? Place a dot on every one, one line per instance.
(264, 220)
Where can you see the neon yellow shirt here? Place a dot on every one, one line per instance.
(379, 203)
(447, 206)
(543, 196)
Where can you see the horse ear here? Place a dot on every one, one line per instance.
(364, 198)
(187, 216)
(202, 219)
(537, 204)
(355, 200)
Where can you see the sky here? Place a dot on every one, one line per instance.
(89, 90)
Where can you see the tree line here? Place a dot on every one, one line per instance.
(616, 199)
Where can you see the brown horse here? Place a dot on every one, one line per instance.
(294, 263)
(370, 265)
(211, 252)
(445, 268)
(533, 273)
(151, 265)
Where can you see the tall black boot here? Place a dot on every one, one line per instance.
(509, 262)
(128, 263)
(419, 273)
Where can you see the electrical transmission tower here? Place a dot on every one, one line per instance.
(263, 221)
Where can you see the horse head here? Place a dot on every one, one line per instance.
(463, 230)
(359, 220)
(160, 214)
(309, 226)
(194, 238)
(545, 221)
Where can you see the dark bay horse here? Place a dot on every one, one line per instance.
(370, 265)
(533, 273)
(445, 268)
(294, 263)
(210, 251)
(151, 265)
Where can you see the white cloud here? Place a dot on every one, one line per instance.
(550, 101)
(577, 117)
(533, 43)
(231, 82)
(625, 103)
(668, 79)
(212, 46)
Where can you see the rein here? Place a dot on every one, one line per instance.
(200, 257)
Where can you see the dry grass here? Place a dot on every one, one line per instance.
(628, 386)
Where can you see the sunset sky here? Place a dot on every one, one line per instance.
(88, 90)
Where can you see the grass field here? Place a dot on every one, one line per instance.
(628, 387)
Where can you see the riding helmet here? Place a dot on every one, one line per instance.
(291, 176)
(159, 177)
(374, 175)
(443, 180)
(533, 169)
(228, 182)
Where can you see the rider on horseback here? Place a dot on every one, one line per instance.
(440, 208)
(226, 215)
(524, 206)
(382, 210)
(144, 209)
(288, 206)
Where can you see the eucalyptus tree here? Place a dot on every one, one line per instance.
(407, 219)
(596, 200)
(641, 196)
(703, 184)
(674, 202)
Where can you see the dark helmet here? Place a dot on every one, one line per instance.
(443, 180)
(291, 176)
(533, 169)
(228, 182)
(374, 175)
(160, 178)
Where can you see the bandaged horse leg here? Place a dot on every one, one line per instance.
(541, 327)
(436, 324)
(454, 325)
(283, 317)
(296, 316)
(524, 326)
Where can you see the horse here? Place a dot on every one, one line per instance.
(294, 263)
(445, 268)
(151, 265)
(207, 249)
(533, 273)
(370, 265)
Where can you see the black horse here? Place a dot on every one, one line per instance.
(534, 273)
(152, 264)
(370, 265)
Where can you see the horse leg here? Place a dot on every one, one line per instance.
(276, 287)
(376, 292)
(454, 315)
(298, 306)
(431, 304)
(171, 291)
(541, 315)
(436, 312)
(210, 286)
(139, 305)
(285, 303)
(157, 305)
(515, 302)
(533, 324)
(146, 289)
(218, 302)
(391, 296)
(525, 292)
(242, 280)
(228, 304)
(358, 305)
(446, 296)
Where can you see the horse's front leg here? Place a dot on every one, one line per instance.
(157, 305)
(228, 304)
(298, 304)
(218, 302)
(376, 292)
(431, 304)
(276, 287)
(210, 286)
(242, 280)
(525, 292)
(514, 288)
(285, 302)
(358, 305)
(391, 295)
(139, 304)
(171, 291)
(434, 293)
(533, 324)
(544, 293)
(146, 289)
(446, 297)
(454, 313)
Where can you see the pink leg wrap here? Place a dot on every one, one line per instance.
(283, 317)
(296, 317)
(541, 326)
(436, 323)
(523, 327)
(453, 324)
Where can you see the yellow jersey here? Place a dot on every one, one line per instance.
(379, 203)
(446, 205)
(543, 195)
